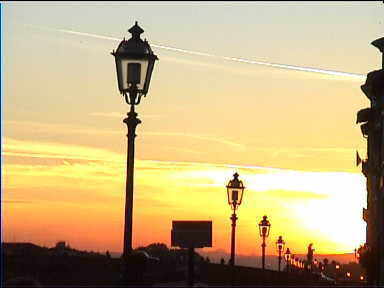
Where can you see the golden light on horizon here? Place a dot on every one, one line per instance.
(298, 203)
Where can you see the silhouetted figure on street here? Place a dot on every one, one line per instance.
(310, 254)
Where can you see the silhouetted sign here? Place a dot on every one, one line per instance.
(187, 234)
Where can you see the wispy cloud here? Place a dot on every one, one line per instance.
(121, 115)
(56, 128)
(15, 201)
(107, 114)
(307, 69)
(12, 147)
(200, 137)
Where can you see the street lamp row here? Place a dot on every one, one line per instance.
(235, 192)
(293, 261)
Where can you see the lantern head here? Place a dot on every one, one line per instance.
(235, 190)
(264, 227)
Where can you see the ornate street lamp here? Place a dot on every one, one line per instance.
(287, 258)
(235, 190)
(279, 248)
(134, 65)
(264, 227)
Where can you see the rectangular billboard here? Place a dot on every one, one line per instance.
(191, 234)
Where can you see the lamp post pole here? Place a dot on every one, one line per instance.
(132, 121)
(233, 238)
(263, 253)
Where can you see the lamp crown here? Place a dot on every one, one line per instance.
(264, 222)
(235, 182)
(135, 30)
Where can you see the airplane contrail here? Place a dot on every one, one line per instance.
(234, 59)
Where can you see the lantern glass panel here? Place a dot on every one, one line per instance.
(131, 71)
(235, 195)
(280, 247)
(134, 70)
(287, 256)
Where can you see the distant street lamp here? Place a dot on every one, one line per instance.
(280, 247)
(264, 227)
(287, 258)
(235, 190)
(134, 64)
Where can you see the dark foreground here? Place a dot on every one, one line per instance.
(78, 271)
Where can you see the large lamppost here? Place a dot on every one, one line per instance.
(280, 247)
(287, 258)
(235, 189)
(264, 227)
(134, 64)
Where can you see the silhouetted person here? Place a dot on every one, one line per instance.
(310, 254)
(222, 261)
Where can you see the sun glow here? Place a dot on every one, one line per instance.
(324, 205)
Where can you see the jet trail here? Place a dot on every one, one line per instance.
(233, 59)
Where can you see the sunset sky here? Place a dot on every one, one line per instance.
(290, 134)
